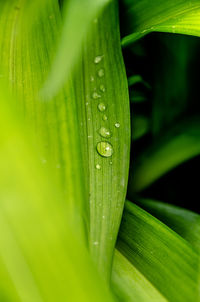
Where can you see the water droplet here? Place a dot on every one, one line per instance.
(104, 132)
(102, 88)
(95, 242)
(95, 20)
(98, 167)
(104, 118)
(95, 95)
(101, 73)
(110, 162)
(98, 59)
(105, 149)
(92, 79)
(101, 107)
(103, 217)
(86, 103)
(117, 125)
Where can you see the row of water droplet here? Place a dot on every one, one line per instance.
(104, 148)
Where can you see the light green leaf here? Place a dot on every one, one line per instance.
(178, 145)
(130, 285)
(163, 257)
(173, 16)
(184, 222)
(79, 18)
(56, 124)
(42, 256)
(26, 55)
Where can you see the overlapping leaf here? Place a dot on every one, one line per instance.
(143, 17)
(163, 257)
(42, 255)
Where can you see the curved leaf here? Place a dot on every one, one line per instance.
(173, 16)
(184, 222)
(130, 285)
(161, 255)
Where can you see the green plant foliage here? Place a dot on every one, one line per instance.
(102, 96)
(143, 17)
(37, 261)
(129, 284)
(78, 18)
(69, 97)
(159, 254)
(54, 122)
(184, 222)
(172, 149)
(171, 82)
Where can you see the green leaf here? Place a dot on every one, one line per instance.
(130, 285)
(103, 107)
(79, 16)
(173, 16)
(184, 222)
(163, 257)
(25, 61)
(42, 255)
(171, 80)
(178, 145)
(62, 124)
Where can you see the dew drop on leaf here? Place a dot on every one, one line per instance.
(105, 149)
(95, 95)
(98, 167)
(101, 107)
(102, 88)
(98, 59)
(117, 125)
(104, 132)
(104, 117)
(101, 73)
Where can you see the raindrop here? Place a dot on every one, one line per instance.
(101, 107)
(101, 73)
(98, 167)
(95, 95)
(98, 59)
(104, 132)
(102, 88)
(95, 242)
(105, 118)
(117, 125)
(92, 79)
(105, 149)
